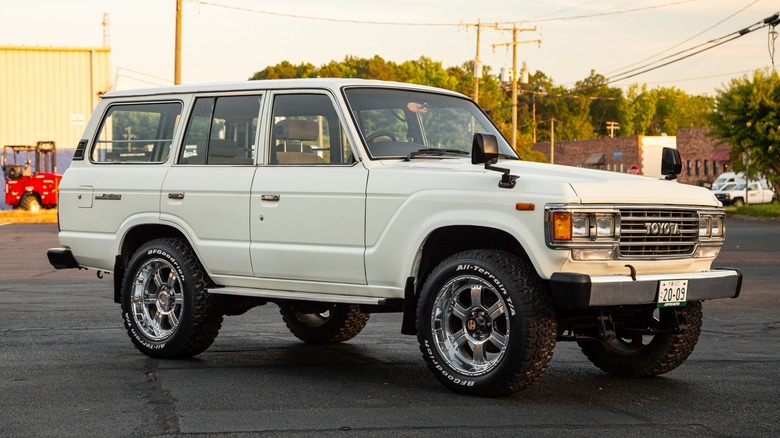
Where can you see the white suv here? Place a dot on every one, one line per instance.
(335, 199)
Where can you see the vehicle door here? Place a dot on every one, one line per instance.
(309, 199)
(206, 192)
(754, 194)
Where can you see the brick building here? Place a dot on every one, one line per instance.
(703, 157)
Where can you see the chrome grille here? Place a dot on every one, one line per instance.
(657, 232)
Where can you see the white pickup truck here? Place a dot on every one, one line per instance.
(738, 194)
(338, 198)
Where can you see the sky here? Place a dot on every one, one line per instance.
(231, 43)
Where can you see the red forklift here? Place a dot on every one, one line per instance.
(31, 178)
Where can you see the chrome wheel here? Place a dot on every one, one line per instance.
(470, 325)
(157, 299)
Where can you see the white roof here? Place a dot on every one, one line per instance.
(273, 84)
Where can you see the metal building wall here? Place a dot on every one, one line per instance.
(48, 93)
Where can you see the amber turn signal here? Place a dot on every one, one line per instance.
(524, 207)
(562, 226)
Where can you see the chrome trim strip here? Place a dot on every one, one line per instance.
(658, 277)
(301, 296)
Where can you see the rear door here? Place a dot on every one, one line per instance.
(206, 193)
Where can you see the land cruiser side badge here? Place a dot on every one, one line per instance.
(109, 197)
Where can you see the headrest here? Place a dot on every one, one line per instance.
(303, 130)
(222, 148)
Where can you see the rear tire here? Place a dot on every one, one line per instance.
(165, 306)
(30, 203)
(485, 323)
(321, 323)
(738, 202)
(643, 356)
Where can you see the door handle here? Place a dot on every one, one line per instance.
(269, 198)
(176, 195)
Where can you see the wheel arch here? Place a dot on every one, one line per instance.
(131, 241)
(444, 242)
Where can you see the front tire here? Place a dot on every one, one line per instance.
(165, 306)
(485, 323)
(320, 323)
(632, 355)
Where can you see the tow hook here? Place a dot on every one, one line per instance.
(606, 328)
(101, 273)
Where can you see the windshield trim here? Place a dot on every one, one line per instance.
(441, 92)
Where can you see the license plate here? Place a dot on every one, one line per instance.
(672, 293)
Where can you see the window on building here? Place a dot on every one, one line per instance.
(689, 167)
(697, 167)
(706, 167)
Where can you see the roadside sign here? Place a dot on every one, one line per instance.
(634, 169)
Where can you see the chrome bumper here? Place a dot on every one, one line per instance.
(582, 290)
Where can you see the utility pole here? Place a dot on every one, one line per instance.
(177, 56)
(477, 67)
(552, 140)
(514, 44)
(612, 127)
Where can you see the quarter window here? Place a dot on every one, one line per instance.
(138, 133)
(222, 130)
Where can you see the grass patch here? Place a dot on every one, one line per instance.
(26, 217)
(759, 210)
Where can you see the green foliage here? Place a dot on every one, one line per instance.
(760, 210)
(581, 112)
(747, 115)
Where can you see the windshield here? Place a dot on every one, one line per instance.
(396, 123)
(728, 187)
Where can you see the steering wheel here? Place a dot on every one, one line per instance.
(371, 138)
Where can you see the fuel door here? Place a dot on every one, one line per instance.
(86, 196)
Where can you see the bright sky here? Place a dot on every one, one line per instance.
(231, 43)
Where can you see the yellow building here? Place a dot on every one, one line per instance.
(48, 93)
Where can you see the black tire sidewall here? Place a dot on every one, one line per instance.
(518, 330)
(161, 250)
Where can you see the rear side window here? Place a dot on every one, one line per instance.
(222, 131)
(136, 133)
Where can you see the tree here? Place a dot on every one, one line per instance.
(747, 115)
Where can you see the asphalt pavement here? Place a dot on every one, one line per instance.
(68, 368)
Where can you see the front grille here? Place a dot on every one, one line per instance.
(646, 233)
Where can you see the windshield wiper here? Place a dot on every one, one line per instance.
(435, 151)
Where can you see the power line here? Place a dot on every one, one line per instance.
(397, 23)
(685, 41)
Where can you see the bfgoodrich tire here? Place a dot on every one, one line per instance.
(485, 323)
(633, 355)
(165, 306)
(320, 323)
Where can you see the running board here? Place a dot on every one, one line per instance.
(306, 296)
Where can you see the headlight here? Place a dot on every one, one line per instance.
(712, 227)
(579, 226)
(605, 226)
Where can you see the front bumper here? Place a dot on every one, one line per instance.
(581, 290)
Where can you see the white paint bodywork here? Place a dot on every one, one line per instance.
(346, 230)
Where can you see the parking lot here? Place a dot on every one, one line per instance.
(67, 368)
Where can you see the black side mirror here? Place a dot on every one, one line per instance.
(484, 149)
(671, 164)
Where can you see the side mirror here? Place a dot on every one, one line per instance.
(484, 149)
(671, 164)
